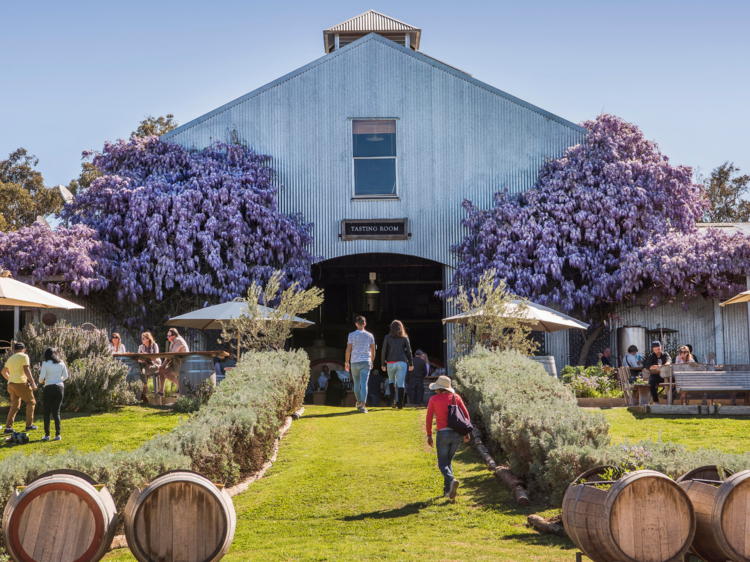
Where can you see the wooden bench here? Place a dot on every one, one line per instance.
(712, 382)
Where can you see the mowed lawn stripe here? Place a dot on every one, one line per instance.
(350, 486)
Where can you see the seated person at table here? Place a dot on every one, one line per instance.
(312, 386)
(115, 344)
(653, 366)
(171, 368)
(323, 378)
(335, 392)
(685, 356)
(606, 357)
(630, 360)
(149, 367)
(690, 349)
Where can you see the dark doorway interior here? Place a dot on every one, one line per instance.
(407, 287)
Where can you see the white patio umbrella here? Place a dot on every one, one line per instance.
(213, 317)
(16, 293)
(742, 297)
(540, 318)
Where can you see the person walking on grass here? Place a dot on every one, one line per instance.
(21, 387)
(448, 440)
(53, 374)
(360, 356)
(396, 358)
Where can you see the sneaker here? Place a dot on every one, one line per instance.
(454, 490)
(45, 438)
(363, 410)
(8, 430)
(31, 428)
(57, 438)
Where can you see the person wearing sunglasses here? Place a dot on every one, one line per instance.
(684, 356)
(170, 369)
(115, 344)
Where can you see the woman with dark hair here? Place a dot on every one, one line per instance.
(335, 392)
(395, 359)
(52, 375)
(149, 367)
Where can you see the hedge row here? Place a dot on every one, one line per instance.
(232, 435)
(533, 421)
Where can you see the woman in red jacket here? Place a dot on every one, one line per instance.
(447, 439)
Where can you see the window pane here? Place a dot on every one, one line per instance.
(375, 177)
(374, 138)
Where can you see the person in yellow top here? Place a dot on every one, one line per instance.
(21, 386)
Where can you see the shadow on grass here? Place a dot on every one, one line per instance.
(345, 412)
(405, 511)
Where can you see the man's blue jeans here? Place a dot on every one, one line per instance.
(447, 443)
(397, 373)
(360, 373)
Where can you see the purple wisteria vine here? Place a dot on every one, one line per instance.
(609, 219)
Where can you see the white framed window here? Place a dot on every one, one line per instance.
(374, 150)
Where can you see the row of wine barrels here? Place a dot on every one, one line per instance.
(721, 510)
(65, 516)
(644, 516)
(180, 517)
(61, 516)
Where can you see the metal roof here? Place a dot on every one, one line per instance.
(372, 21)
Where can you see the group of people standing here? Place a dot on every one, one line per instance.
(21, 387)
(405, 371)
(397, 360)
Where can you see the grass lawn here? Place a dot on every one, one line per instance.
(349, 486)
(124, 429)
(729, 434)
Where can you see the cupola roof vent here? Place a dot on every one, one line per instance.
(371, 22)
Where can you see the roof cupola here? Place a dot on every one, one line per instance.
(371, 22)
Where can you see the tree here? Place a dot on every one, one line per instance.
(493, 318)
(191, 227)
(262, 327)
(725, 189)
(23, 195)
(149, 126)
(608, 220)
(155, 126)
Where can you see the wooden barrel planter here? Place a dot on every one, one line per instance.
(180, 517)
(643, 517)
(710, 472)
(61, 516)
(722, 516)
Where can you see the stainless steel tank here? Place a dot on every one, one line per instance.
(632, 335)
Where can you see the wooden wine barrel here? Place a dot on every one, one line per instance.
(196, 369)
(644, 517)
(61, 516)
(710, 472)
(180, 517)
(723, 526)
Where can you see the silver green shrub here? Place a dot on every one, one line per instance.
(230, 436)
(533, 420)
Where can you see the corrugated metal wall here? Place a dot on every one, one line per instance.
(698, 326)
(558, 345)
(456, 139)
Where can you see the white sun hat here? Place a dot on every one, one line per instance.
(443, 383)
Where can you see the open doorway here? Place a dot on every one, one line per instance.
(406, 286)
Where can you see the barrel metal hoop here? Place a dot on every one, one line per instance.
(30, 495)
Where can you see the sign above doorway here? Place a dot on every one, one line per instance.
(375, 229)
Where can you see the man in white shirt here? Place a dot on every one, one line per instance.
(360, 350)
(323, 378)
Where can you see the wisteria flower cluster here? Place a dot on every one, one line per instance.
(610, 218)
(74, 257)
(202, 223)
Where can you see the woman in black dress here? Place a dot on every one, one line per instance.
(335, 392)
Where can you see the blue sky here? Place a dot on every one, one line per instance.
(75, 74)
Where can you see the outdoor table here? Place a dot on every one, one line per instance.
(644, 394)
(133, 359)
